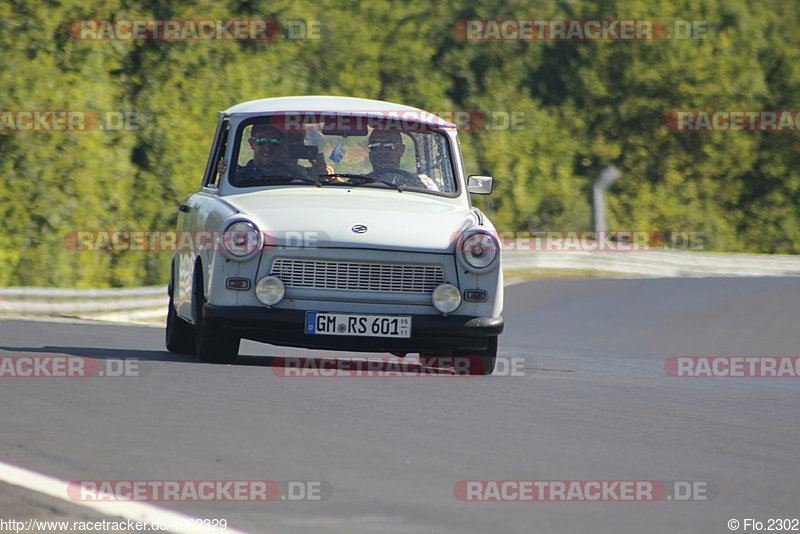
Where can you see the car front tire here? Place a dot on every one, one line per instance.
(474, 362)
(212, 344)
(481, 362)
(179, 336)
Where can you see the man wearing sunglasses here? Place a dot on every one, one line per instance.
(386, 149)
(271, 160)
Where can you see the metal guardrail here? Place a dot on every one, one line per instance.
(149, 303)
(44, 301)
(39, 292)
(657, 263)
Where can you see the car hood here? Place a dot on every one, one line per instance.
(326, 217)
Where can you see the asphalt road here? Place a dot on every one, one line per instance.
(593, 403)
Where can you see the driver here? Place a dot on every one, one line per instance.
(386, 149)
(270, 151)
(271, 157)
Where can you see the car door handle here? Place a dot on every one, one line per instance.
(184, 208)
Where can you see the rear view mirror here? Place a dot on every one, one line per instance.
(479, 185)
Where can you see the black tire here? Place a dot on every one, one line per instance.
(212, 344)
(480, 362)
(474, 362)
(179, 336)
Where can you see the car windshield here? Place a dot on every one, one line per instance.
(413, 157)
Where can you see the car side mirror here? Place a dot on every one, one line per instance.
(479, 185)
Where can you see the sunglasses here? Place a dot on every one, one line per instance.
(273, 141)
(387, 145)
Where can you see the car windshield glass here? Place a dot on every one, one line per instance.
(411, 158)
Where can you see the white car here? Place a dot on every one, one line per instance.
(336, 223)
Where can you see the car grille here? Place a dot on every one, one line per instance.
(363, 276)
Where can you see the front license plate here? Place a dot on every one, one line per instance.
(345, 324)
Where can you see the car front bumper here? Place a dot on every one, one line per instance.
(429, 333)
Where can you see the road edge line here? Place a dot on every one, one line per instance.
(136, 511)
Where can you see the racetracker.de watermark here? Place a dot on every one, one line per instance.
(733, 366)
(389, 367)
(578, 29)
(773, 121)
(240, 241)
(193, 30)
(69, 367)
(607, 241)
(64, 121)
(199, 490)
(583, 490)
(362, 121)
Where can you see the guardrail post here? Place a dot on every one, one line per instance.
(602, 181)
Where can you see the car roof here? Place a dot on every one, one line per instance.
(335, 104)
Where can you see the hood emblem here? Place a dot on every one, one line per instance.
(359, 228)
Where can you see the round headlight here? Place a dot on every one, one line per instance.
(446, 298)
(240, 240)
(479, 250)
(270, 290)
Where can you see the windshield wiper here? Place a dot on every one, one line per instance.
(363, 179)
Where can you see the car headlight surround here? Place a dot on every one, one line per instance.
(478, 251)
(446, 298)
(270, 290)
(241, 240)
